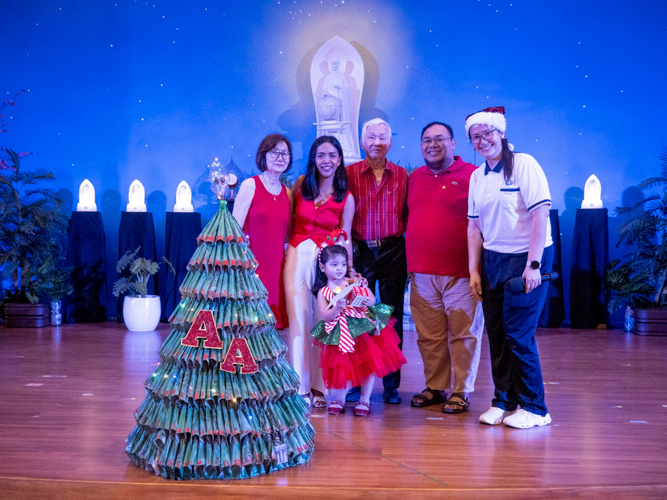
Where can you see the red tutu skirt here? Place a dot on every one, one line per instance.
(377, 355)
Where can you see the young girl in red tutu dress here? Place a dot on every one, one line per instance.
(359, 343)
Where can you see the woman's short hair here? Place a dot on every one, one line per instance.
(267, 144)
(310, 189)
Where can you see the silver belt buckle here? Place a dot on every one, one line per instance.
(373, 244)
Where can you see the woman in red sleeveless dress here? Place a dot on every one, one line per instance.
(262, 208)
(322, 203)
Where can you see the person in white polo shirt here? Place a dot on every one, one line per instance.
(509, 235)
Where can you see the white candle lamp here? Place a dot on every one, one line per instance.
(86, 197)
(592, 193)
(137, 197)
(183, 198)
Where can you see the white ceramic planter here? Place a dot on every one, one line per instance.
(142, 314)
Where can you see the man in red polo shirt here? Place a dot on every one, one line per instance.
(379, 189)
(449, 329)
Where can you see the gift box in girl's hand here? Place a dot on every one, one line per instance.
(359, 296)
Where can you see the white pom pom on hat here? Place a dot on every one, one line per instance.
(493, 117)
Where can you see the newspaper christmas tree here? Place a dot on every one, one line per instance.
(224, 402)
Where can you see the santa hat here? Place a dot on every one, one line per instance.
(493, 117)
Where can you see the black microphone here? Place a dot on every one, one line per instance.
(518, 285)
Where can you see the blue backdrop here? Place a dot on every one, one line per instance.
(126, 89)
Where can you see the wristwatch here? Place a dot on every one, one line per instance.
(534, 264)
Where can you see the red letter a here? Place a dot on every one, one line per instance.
(239, 354)
(203, 327)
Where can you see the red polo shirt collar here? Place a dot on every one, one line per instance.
(454, 167)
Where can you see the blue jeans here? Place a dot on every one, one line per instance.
(511, 319)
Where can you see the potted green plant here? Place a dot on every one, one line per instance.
(32, 229)
(641, 281)
(141, 312)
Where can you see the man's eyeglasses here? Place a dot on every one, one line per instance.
(487, 134)
(440, 139)
(274, 154)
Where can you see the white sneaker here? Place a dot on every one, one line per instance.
(523, 419)
(494, 416)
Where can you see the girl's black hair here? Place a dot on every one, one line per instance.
(327, 252)
(310, 189)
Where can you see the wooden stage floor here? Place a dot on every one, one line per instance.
(68, 396)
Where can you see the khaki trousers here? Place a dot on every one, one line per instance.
(450, 325)
(303, 313)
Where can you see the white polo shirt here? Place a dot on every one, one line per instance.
(501, 209)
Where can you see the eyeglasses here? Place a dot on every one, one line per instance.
(440, 139)
(274, 154)
(487, 134)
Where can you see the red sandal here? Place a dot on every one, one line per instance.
(336, 408)
(362, 409)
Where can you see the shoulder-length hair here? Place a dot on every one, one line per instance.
(267, 144)
(311, 184)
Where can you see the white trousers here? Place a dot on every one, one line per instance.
(303, 313)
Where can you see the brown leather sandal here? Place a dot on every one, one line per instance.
(428, 397)
(457, 402)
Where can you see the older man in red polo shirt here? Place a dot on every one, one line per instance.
(449, 327)
(379, 189)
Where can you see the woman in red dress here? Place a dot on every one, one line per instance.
(262, 208)
(322, 203)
